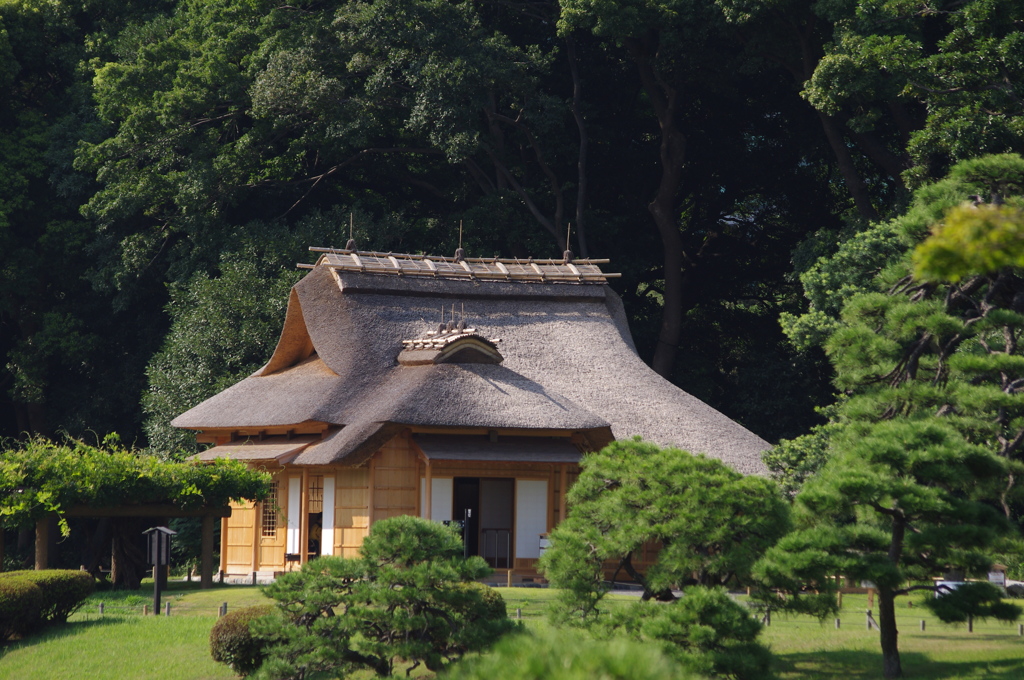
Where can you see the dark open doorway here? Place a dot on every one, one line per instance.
(489, 525)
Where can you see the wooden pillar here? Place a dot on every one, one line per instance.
(304, 518)
(224, 546)
(371, 499)
(257, 534)
(206, 553)
(428, 497)
(563, 490)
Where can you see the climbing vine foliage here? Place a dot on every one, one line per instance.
(39, 477)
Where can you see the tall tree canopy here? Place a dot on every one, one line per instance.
(926, 450)
(697, 143)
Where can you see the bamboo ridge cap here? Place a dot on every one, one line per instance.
(442, 258)
(488, 268)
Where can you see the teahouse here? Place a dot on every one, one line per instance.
(449, 388)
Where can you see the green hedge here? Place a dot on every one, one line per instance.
(30, 599)
(232, 643)
(21, 602)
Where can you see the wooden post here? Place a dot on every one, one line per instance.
(304, 518)
(970, 624)
(867, 618)
(922, 625)
(257, 536)
(871, 598)
(206, 553)
(371, 483)
(837, 624)
(223, 548)
(428, 495)
(42, 543)
(563, 483)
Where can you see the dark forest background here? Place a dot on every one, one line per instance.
(164, 165)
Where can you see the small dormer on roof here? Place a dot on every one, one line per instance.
(450, 344)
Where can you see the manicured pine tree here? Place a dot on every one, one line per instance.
(923, 453)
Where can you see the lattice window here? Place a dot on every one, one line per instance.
(316, 493)
(269, 521)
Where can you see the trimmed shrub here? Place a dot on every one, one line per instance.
(707, 632)
(565, 656)
(232, 643)
(64, 591)
(20, 604)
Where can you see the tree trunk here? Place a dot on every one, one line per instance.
(858, 190)
(672, 153)
(891, 667)
(42, 557)
(887, 632)
(581, 165)
(96, 541)
(127, 561)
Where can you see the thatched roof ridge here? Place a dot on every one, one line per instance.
(569, 364)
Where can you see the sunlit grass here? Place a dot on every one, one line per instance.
(124, 644)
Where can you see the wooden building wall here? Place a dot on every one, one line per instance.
(351, 511)
(394, 471)
(388, 486)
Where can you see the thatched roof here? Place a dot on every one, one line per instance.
(567, 363)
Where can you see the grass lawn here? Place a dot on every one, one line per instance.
(124, 644)
(806, 649)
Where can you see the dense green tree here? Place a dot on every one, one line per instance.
(958, 61)
(409, 597)
(925, 451)
(866, 136)
(711, 523)
(57, 334)
(897, 504)
(706, 631)
(972, 239)
(793, 461)
(671, 45)
(904, 330)
(203, 122)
